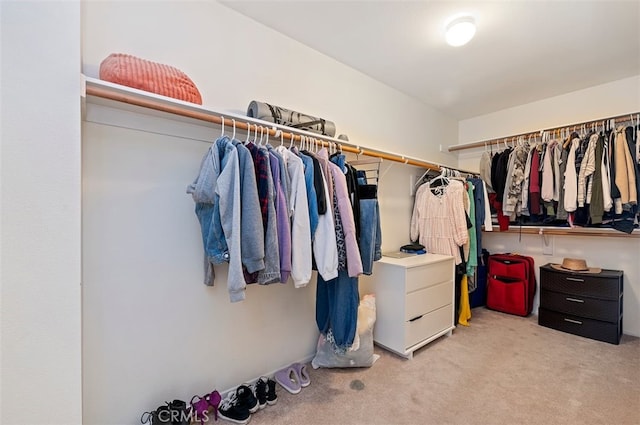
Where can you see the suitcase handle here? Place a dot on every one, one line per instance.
(575, 300)
(575, 279)
(577, 322)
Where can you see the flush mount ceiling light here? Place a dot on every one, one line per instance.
(460, 31)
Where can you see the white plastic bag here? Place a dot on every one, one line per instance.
(360, 354)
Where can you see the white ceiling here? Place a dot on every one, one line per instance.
(523, 50)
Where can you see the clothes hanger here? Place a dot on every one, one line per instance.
(233, 137)
(443, 181)
(248, 134)
(222, 132)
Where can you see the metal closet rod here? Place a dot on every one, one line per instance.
(618, 119)
(244, 123)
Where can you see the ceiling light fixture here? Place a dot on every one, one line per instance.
(460, 31)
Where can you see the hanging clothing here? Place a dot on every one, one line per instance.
(300, 226)
(607, 200)
(571, 179)
(587, 167)
(488, 226)
(438, 221)
(282, 219)
(564, 158)
(596, 202)
(251, 228)
(547, 187)
(515, 177)
(472, 259)
(325, 245)
(337, 303)
(524, 202)
(534, 184)
(312, 197)
(216, 192)
(465, 308)
(271, 271)
(485, 170)
(625, 170)
(354, 260)
(370, 240)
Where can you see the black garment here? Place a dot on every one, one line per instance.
(630, 134)
(318, 184)
(596, 205)
(615, 192)
(354, 196)
(501, 169)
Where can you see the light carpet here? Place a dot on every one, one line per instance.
(502, 369)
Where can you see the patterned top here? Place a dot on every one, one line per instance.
(439, 220)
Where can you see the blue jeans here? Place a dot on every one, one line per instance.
(370, 234)
(337, 309)
(370, 231)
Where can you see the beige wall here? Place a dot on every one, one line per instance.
(40, 259)
(151, 329)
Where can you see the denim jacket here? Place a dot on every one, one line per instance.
(216, 192)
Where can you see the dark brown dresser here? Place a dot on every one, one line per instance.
(588, 305)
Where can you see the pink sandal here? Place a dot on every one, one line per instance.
(204, 404)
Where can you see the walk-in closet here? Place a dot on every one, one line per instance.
(317, 212)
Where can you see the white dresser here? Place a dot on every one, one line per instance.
(414, 300)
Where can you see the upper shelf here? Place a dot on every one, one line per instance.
(102, 91)
(537, 134)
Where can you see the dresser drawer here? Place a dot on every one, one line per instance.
(594, 329)
(578, 305)
(580, 284)
(428, 275)
(428, 299)
(427, 325)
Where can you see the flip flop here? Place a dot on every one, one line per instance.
(303, 375)
(288, 379)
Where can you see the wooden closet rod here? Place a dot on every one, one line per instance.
(618, 119)
(123, 94)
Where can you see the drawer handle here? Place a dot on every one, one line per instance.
(577, 322)
(575, 300)
(575, 279)
(416, 318)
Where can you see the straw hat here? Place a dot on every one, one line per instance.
(575, 265)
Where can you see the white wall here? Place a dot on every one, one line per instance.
(40, 213)
(151, 329)
(615, 98)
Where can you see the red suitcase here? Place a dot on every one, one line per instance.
(511, 284)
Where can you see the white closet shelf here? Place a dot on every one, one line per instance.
(105, 93)
(537, 133)
(567, 231)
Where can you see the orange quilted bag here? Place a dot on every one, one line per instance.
(150, 76)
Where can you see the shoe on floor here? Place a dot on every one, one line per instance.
(303, 374)
(272, 397)
(288, 379)
(260, 389)
(235, 408)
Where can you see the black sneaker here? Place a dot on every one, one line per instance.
(233, 409)
(260, 388)
(245, 395)
(272, 397)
